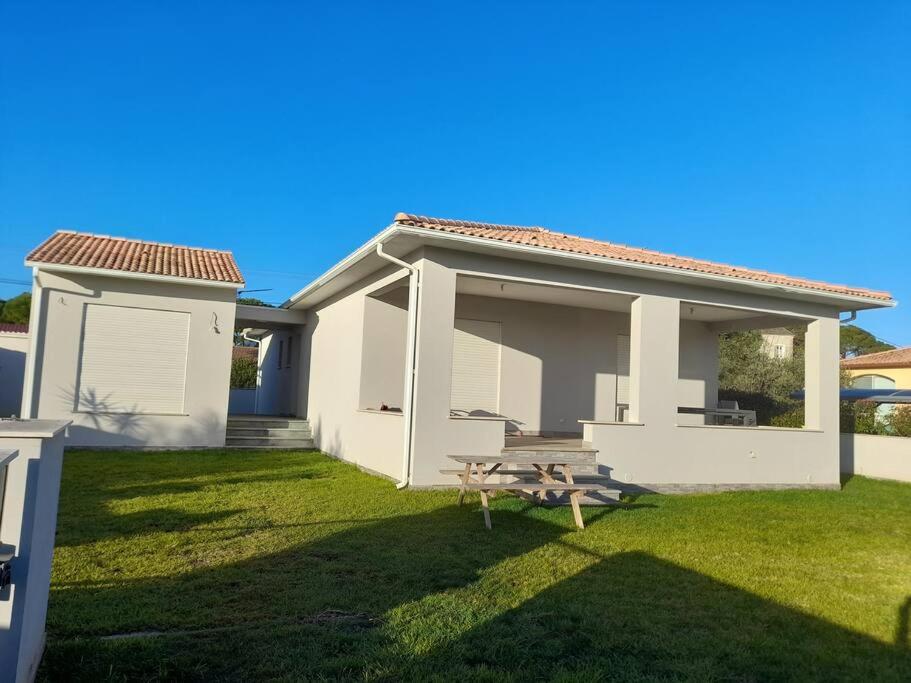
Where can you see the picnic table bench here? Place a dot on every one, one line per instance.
(537, 475)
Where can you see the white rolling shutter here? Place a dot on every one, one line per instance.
(622, 369)
(134, 360)
(476, 366)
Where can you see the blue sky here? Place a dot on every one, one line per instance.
(771, 135)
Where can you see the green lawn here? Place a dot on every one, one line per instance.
(290, 565)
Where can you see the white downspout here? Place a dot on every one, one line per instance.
(28, 391)
(410, 358)
(259, 366)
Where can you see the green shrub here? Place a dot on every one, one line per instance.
(898, 422)
(790, 418)
(243, 373)
(859, 417)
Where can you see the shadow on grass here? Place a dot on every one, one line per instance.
(412, 597)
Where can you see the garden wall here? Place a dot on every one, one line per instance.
(871, 455)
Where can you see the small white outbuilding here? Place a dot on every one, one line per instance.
(131, 340)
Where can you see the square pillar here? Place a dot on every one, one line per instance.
(821, 375)
(654, 352)
(433, 371)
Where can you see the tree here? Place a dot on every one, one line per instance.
(744, 366)
(856, 341)
(243, 373)
(17, 309)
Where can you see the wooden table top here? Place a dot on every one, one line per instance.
(513, 459)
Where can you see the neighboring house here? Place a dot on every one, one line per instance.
(778, 343)
(883, 370)
(13, 350)
(441, 337)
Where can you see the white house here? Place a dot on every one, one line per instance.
(441, 337)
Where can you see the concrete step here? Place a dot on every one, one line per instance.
(232, 447)
(296, 432)
(267, 423)
(258, 442)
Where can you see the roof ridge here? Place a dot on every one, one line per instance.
(407, 218)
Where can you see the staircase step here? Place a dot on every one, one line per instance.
(258, 442)
(296, 432)
(267, 423)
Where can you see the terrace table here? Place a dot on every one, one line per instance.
(538, 477)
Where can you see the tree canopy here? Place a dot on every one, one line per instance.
(856, 341)
(17, 309)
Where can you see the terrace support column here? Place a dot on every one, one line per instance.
(654, 351)
(822, 383)
(433, 371)
(822, 387)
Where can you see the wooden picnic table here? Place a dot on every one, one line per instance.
(538, 477)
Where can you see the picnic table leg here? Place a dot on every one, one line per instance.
(466, 475)
(484, 503)
(573, 496)
(545, 476)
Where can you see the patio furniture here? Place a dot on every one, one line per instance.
(537, 477)
(723, 415)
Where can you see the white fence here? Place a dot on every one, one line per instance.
(882, 457)
(242, 402)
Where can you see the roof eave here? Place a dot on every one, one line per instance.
(107, 272)
(845, 302)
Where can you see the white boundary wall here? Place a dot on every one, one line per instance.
(882, 457)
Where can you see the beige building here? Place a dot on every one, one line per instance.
(883, 370)
(441, 337)
(778, 343)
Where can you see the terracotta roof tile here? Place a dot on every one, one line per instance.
(18, 328)
(86, 250)
(895, 358)
(542, 237)
(250, 352)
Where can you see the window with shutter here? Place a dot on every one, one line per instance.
(475, 367)
(132, 360)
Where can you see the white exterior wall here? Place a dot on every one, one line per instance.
(557, 363)
(13, 350)
(331, 371)
(871, 455)
(277, 385)
(62, 299)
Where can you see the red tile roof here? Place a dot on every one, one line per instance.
(251, 352)
(136, 256)
(895, 358)
(18, 328)
(542, 237)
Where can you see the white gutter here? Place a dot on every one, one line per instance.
(410, 359)
(108, 272)
(26, 410)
